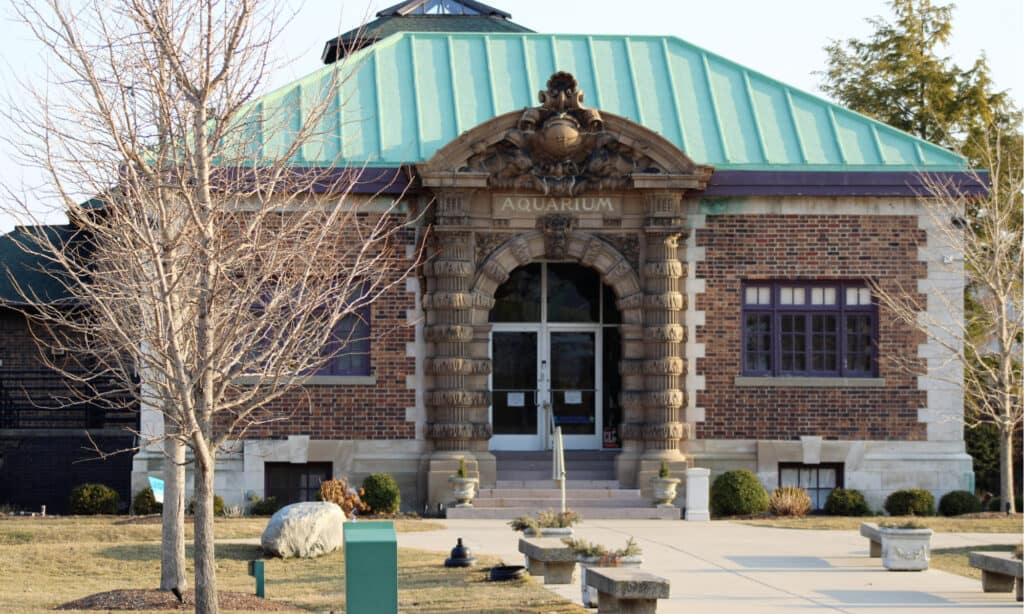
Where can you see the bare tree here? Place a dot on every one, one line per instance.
(982, 344)
(208, 264)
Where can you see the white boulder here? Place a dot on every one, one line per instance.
(304, 530)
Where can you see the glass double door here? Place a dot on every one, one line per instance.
(542, 375)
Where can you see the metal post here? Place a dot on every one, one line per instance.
(256, 570)
(558, 462)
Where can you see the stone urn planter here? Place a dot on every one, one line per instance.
(905, 549)
(664, 491)
(463, 489)
(588, 594)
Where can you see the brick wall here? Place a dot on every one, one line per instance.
(358, 411)
(807, 247)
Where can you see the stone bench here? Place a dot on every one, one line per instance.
(548, 557)
(870, 531)
(998, 572)
(626, 590)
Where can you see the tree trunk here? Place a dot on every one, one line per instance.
(172, 551)
(1006, 494)
(206, 567)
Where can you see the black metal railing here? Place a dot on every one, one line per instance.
(43, 399)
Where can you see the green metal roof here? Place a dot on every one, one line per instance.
(411, 93)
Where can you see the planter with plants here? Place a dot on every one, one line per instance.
(546, 524)
(463, 486)
(906, 545)
(595, 555)
(664, 487)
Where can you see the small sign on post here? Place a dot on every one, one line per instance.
(256, 571)
(158, 489)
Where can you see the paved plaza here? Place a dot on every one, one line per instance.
(732, 568)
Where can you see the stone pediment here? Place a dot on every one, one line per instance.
(562, 148)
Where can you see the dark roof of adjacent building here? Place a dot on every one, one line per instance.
(37, 277)
(422, 16)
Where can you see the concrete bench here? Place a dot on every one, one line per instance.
(626, 590)
(548, 557)
(998, 572)
(870, 531)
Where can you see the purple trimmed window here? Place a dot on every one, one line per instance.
(350, 346)
(819, 329)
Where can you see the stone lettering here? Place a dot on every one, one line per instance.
(510, 205)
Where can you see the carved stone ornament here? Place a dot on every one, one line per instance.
(556, 230)
(560, 148)
(487, 242)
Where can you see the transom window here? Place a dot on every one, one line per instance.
(818, 480)
(809, 329)
(554, 292)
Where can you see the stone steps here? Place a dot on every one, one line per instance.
(548, 483)
(524, 487)
(593, 513)
(576, 493)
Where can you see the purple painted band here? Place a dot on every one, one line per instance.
(401, 180)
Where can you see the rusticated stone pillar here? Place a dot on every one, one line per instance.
(664, 338)
(458, 398)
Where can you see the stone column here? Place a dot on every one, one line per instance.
(457, 397)
(664, 337)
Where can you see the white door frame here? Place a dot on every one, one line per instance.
(541, 440)
(580, 442)
(527, 442)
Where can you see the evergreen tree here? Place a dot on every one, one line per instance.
(899, 75)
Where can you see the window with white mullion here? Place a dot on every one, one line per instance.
(808, 329)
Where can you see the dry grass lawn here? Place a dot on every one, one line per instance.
(939, 524)
(47, 562)
(954, 560)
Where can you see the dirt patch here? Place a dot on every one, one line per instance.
(151, 599)
(148, 519)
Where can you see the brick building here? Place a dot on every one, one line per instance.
(677, 270)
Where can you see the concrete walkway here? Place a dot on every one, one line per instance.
(732, 568)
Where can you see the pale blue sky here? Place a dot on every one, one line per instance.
(783, 39)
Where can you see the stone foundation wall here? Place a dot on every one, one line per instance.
(876, 468)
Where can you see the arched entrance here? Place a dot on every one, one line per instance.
(558, 183)
(555, 347)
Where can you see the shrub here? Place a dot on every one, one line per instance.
(905, 524)
(381, 493)
(996, 503)
(338, 491)
(912, 502)
(218, 506)
(737, 493)
(663, 471)
(90, 499)
(263, 507)
(522, 523)
(145, 503)
(959, 502)
(550, 519)
(789, 501)
(846, 502)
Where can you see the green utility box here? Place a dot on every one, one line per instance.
(371, 568)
